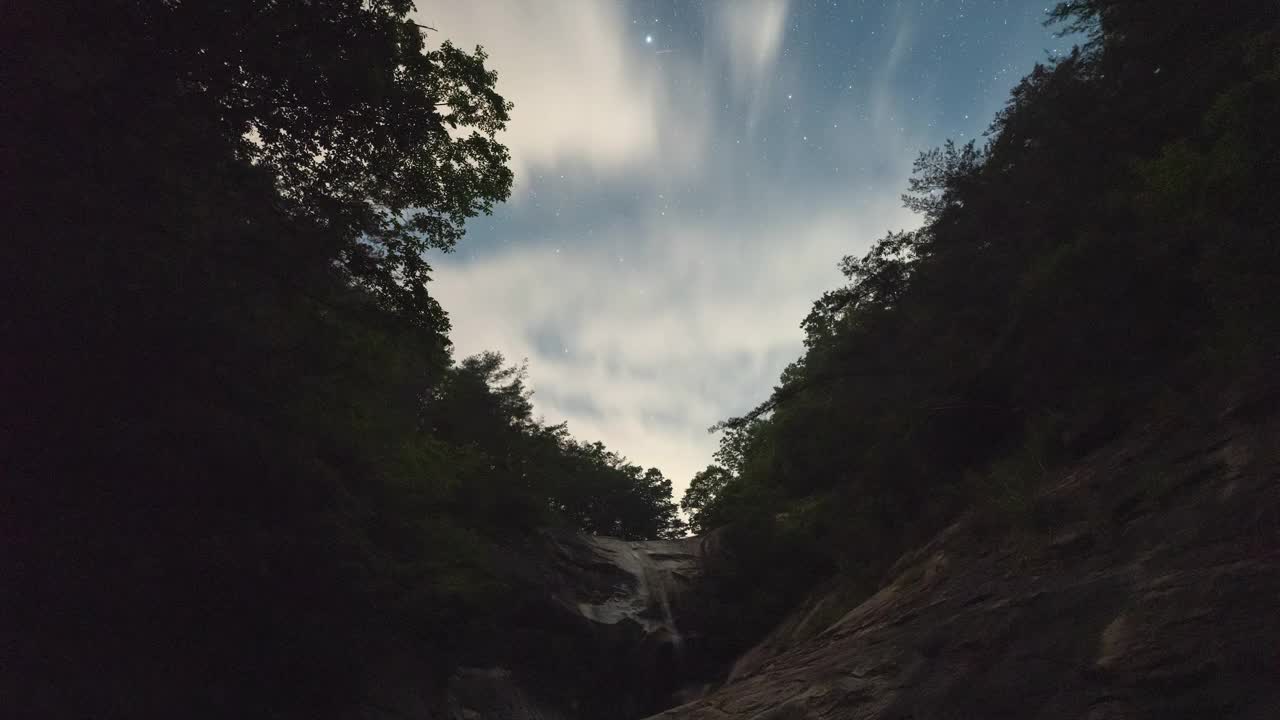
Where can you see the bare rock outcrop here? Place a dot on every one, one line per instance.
(600, 633)
(1144, 583)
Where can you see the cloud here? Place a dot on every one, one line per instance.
(701, 215)
(651, 350)
(587, 90)
(749, 33)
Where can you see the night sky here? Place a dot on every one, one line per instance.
(688, 175)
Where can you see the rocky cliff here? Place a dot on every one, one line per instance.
(601, 633)
(1142, 582)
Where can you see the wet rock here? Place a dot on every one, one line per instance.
(597, 629)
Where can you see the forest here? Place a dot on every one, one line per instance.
(241, 454)
(1108, 246)
(233, 419)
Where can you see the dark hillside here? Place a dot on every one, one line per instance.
(240, 463)
(1112, 244)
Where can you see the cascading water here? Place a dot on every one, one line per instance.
(627, 609)
(658, 584)
(659, 569)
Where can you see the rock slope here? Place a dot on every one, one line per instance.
(1143, 582)
(600, 633)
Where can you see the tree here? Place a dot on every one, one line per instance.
(222, 345)
(656, 490)
(364, 129)
(939, 180)
(699, 499)
(528, 474)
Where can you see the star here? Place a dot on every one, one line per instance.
(648, 39)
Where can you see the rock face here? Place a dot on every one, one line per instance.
(642, 581)
(1144, 584)
(603, 635)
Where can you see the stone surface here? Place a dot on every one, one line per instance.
(599, 632)
(490, 694)
(1147, 585)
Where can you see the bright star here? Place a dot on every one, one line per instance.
(648, 39)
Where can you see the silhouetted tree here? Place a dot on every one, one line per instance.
(699, 499)
(226, 489)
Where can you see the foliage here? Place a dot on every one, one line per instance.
(240, 461)
(766, 564)
(700, 497)
(533, 474)
(364, 129)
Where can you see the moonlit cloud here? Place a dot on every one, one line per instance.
(607, 312)
(750, 34)
(586, 89)
(688, 178)
(672, 340)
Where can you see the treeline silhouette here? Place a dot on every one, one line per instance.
(239, 458)
(1113, 243)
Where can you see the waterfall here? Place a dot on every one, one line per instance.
(658, 583)
(654, 566)
(629, 608)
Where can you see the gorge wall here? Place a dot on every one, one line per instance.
(606, 630)
(1142, 582)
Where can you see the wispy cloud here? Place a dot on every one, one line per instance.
(587, 90)
(749, 34)
(646, 351)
